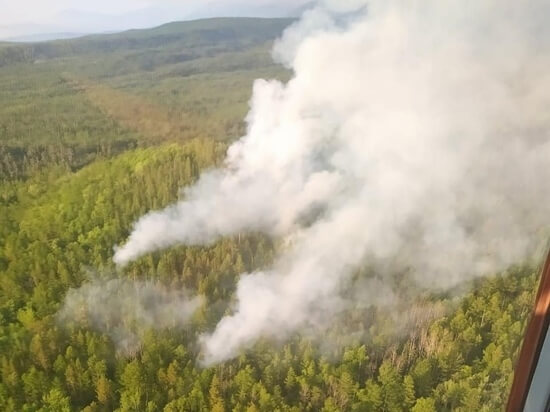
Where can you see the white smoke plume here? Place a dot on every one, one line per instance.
(125, 310)
(413, 135)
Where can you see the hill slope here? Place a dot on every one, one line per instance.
(198, 36)
(170, 83)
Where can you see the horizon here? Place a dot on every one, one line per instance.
(53, 36)
(69, 19)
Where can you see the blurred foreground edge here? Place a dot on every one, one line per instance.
(531, 386)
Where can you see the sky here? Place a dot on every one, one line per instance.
(27, 17)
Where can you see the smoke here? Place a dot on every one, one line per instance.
(414, 135)
(125, 310)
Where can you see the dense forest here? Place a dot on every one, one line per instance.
(95, 132)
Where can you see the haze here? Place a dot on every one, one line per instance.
(37, 20)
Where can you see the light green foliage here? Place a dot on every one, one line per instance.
(424, 405)
(75, 174)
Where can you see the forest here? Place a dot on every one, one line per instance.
(94, 133)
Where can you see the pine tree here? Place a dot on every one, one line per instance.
(408, 389)
(392, 388)
(424, 405)
(215, 398)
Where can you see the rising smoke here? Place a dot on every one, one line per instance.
(125, 310)
(413, 134)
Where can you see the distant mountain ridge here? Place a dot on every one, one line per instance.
(193, 36)
(150, 14)
(40, 37)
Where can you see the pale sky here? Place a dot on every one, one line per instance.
(24, 17)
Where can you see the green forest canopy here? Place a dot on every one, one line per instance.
(95, 132)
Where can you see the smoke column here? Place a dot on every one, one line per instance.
(413, 134)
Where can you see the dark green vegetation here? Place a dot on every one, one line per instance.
(101, 130)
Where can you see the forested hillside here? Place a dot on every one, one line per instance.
(169, 43)
(178, 81)
(108, 128)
